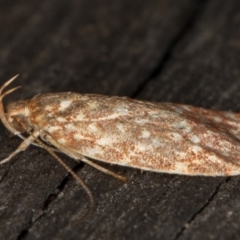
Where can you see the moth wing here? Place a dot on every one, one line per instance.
(188, 142)
(159, 137)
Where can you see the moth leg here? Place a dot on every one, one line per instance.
(34, 137)
(102, 169)
(77, 156)
(38, 145)
(28, 141)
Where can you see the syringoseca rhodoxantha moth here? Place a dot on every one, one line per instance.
(160, 137)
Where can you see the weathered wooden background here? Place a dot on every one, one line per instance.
(163, 50)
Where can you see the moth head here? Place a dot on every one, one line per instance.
(18, 115)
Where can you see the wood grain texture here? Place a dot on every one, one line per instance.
(181, 51)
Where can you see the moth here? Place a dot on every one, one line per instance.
(159, 137)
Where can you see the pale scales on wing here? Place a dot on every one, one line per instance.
(160, 137)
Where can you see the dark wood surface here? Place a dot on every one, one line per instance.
(179, 51)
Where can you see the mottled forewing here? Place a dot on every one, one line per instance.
(160, 137)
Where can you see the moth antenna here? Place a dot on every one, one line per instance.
(2, 114)
(69, 170)
(7, 83)
(9, 91)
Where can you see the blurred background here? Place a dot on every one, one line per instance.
(157, 50)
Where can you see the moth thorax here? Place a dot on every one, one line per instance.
(18, 115)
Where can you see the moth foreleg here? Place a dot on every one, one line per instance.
(38, 145)
(28, 141)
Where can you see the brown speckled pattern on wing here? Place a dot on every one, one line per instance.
(161, 137)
